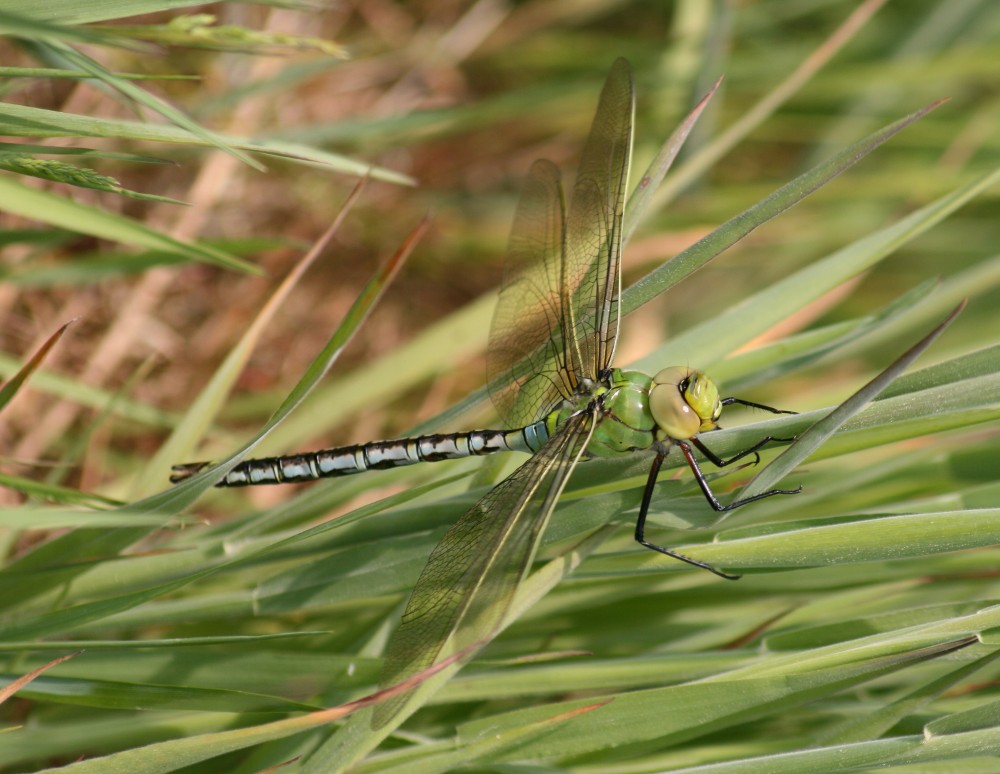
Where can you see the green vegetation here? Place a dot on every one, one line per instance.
(165, 629)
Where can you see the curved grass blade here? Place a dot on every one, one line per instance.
(814, 437)
(36, 26)
(174, 754)
(63, 51)
(862, 538)
(771, 361)
(27, 121)
(882, 721)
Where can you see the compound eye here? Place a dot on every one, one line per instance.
(684, 402)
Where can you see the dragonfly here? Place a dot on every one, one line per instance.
(549, 363)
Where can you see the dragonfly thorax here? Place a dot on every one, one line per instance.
(620, 404)
(684, 402)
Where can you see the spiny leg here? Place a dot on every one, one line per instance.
(716, 460)
(640, 523)
(707, 490)
(751, 404)
(647, 496)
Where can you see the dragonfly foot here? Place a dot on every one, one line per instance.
(688, 559)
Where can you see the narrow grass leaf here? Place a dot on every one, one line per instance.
(355, 316)
(142, 97)
(27, 121)
(69, 12)
(682, 712)
(46, 519)
(712, 340)
(17, 20)
(124, 648)
(10, 389)
(58, 73)
(55, 493)
(61, 386)
(986, 716)
(898, 751)
(118, 695)
(61, 212)
(445, 344)
(873, 539)
(733, 230)
(772, 361)
(177, 753)
(486, 747)
(212, 397)
(642, 196)
(880, 722)
(814, 437)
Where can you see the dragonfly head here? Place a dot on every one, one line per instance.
(684, 402)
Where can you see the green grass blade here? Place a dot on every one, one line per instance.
(58, 211)
(318, 368)
(692, 709)
(152, 103)
(735, 229)
(813, 438)
(204, 410)
(27, 121)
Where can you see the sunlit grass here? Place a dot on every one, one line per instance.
(863, 632)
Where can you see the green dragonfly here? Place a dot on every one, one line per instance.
(549, 365)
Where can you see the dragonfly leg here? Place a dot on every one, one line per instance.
(755, 447)
(707, 490)
(751, 404)
(640, 523)
(716, 460)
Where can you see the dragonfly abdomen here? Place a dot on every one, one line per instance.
(378, 455)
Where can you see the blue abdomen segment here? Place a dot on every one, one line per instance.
(378, 455)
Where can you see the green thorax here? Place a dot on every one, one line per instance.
(624, 421)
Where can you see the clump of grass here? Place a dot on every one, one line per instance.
(216, 633)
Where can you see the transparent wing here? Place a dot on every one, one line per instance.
(594, 238)
(557, 318)
(471, 576)
(528, 370)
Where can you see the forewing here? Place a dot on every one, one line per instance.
(556, 321)
(466, 587)
(594, 235)
(526, 364)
